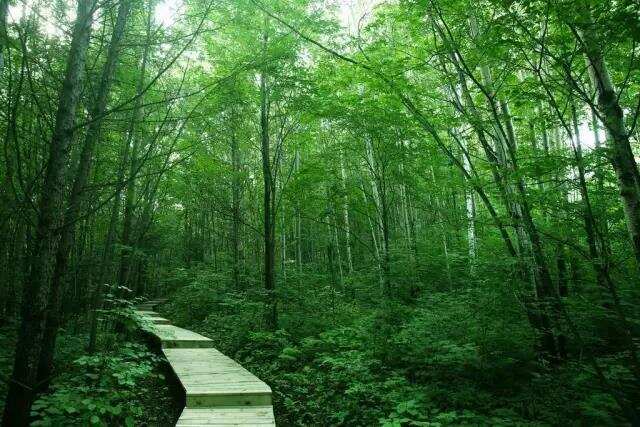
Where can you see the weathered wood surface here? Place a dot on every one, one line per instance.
(153, 317)
(219, 391)
(147, 313)
(228, 416)
(212, 379)
(157, 320)
(174, 337)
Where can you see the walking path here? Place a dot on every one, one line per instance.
(219, 392)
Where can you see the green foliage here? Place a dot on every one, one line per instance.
(119, 308)
(456, 358)
(104, 389)
(420, 197)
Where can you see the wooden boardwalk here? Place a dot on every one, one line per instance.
(219, 392)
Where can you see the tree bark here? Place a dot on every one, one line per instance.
(235, 203)
(619, 150)
(298, 225)
(345, 216)
(271, 313)
(134, 141)
(36, 290)
(4, 37)
(378, 187)
(74, 204)
(599, 254)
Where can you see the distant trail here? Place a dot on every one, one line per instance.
(219, 392)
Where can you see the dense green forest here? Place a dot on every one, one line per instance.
(398, 213)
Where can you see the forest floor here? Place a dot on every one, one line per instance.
(121, 384)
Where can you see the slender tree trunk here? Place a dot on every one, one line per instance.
(298, 224)
(134, 140)
(8, 224)
(336, 239)
(378, 187)
(108, 251)
(36, 290)
(271, 313)
(345, 215)
(547, 309)
(386, 261)
(492, 158)
(470, 203)
(374, 239)
(9, 209)
(4, 8)
(283, 247)
(45, 365)
(440, 216)
(235, 203)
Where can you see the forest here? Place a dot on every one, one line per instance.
(393, 212)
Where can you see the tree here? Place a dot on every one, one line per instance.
(36, 288)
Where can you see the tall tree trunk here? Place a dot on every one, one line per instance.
(108, 251)
(107, 256)
(374, 239)
(9, 209)
(345, 215)
(620, 153)
(298, 224)
(336, 239)
(470, 204)
(378, 188)
(546, 309)
(598, 252)
(271, 313)
(283, 224)
(386, 261)
(36, 290)
(440, 216)
(45, 365)
(235, 203)
(4, 39)
(134, 140)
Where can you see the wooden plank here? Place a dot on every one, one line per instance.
(174, 337)
(150, 305)
(219, 391)
(211, 379)
(156, 320)
(228, 416)
(153, 317)
(146, 313)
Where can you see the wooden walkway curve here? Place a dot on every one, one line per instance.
(219, 392)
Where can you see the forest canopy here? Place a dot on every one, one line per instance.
(399, 213)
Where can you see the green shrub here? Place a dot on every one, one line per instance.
(104, 389)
